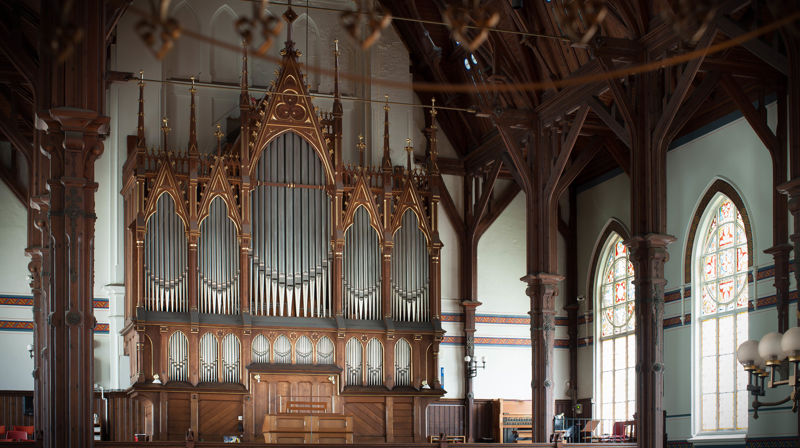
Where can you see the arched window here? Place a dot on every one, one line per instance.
(616, 350)
(325, 350)
(402, 363)
(719, 271)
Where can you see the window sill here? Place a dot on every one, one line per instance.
(719, 439)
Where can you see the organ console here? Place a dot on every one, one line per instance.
(266, 272)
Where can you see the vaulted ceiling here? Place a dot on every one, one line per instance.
(533, 48)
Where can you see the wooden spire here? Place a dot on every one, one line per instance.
(165, 131)
(140, 140)
(361, 146)
(409, 152)
(433, 151)
(244, 95)
(193, 120)
(386, 165)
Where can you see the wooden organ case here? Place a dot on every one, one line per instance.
(268, 278)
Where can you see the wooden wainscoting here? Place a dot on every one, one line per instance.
(12, 408)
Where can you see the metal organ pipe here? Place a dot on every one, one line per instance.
(208, 359)
(402, 363)
(362, 269)
(219, 267)
(410, 276)
(165, 266)
(290, 209)
(352, 360)
(374, 363)
(230, 358)
(178, 357)
(260, 349)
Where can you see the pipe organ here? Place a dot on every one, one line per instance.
(265, 272)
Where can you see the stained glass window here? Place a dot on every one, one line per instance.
(722, 268)
(617, 348)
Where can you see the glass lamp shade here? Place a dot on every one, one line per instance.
(747, 354)
(770, 348)
(790, 344)
(467, 358)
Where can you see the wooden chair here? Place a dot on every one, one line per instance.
(630, 431)
(587, 433)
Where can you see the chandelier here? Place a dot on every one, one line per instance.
(772, 362)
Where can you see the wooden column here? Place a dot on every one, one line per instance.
(542, 290)
(469, 350)
(74, 142)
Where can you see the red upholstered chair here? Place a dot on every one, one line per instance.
(617, 433)
(2, 432)
(16, 436)
(28, 430)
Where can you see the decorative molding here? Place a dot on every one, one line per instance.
(25, 325)
(14, 300)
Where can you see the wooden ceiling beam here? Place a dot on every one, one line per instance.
(756, 46)
(756, 120)
(486, 193)
(615, 126)
(620, 154)
(499, 206)
(566, 147)
(21, 58)
(583, 158)
(681, 89)
(695, 101)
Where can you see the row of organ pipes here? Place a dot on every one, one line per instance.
(364, 364)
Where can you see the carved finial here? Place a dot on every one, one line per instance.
(433, 152)
(140, 140)
(219, 134)
(336, 69)
(361, 148)
(290, 16)
(244, 96)
(387, 160)
(409, 150)
(193, 119)
(165, 129)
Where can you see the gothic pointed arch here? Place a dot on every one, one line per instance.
(166, 182)
(718, 186)
(613, 226)
(410, 199)
(220, 186)
(287, 108)
(362, 196)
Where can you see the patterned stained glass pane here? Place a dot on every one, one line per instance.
(725, 235)
(619, 292)
(741, 258)
(726, 263)
(723, 319)
(710, 267)
(617, 350)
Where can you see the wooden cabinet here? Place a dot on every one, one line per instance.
(313, 428)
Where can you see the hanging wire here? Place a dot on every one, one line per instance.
(518, 87)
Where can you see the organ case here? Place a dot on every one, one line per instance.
(267, 271)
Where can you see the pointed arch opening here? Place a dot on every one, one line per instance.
(291, 259)
(231, 365)
(325, 351)
(218, 262)
(720, 248)
(178, 357)
(362, 269)
(402, 363)
(410, 272)
(615, 324)
(260, 350)
(352, 363)
(209, 360)
(165, 259)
